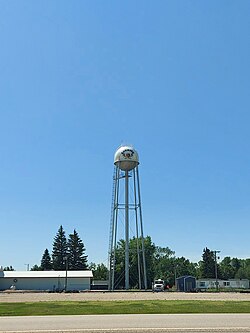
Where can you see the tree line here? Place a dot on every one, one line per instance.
(161, 262)
(228, 268)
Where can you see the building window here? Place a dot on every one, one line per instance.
(226, 283)
(202, 284)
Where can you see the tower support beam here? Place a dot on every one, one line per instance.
(126, 233)
(126, 168)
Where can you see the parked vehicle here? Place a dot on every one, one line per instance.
(158, 285)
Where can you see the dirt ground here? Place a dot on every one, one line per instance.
(17, 296)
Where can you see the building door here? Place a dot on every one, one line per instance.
(189, 285)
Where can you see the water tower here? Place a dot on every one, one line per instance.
(126, 214)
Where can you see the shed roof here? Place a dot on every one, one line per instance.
(45, 274)
(185, 277)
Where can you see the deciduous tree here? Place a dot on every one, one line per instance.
(100, 272)
(133, 262)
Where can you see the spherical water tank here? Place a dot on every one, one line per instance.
(126, 158)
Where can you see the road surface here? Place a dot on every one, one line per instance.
(129, 323)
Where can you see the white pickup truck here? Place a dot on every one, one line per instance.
(158, 285)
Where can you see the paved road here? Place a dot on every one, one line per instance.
(129, 323)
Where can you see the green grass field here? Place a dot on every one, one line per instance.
(122, 307)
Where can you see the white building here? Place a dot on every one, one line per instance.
(45, 280)
(223, 284)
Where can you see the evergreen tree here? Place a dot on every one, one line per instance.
(46, 263)
(76, 258)
(60, 250)
(8, 268)
(207, 265)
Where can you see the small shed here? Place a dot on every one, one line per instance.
(186, 283)
(45, 280)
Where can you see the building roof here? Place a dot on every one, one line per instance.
(185, 277)
(45, 274)
(214, 279)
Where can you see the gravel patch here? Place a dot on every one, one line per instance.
(17, 296)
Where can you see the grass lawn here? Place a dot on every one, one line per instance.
(122, 307)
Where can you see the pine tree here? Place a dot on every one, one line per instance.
(46, 263)
(8, 268)
(207, 269)
(76, 258)
(60, 250)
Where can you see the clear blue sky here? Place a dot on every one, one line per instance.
(78, 78)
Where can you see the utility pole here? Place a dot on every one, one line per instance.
(66, 273)
(216, 269)
(175, 276)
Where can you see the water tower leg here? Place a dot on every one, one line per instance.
(142, 236)
(137, 232)
(113, 229)
(126, 232)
